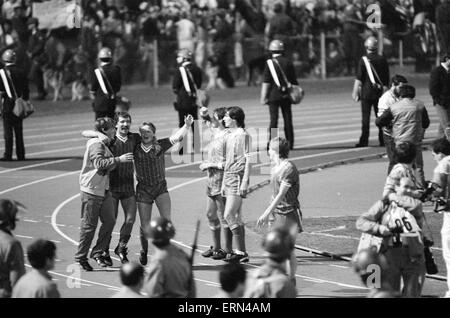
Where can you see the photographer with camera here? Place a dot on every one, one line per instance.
(441, 190)
(398, 220)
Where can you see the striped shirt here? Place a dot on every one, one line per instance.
(237, 151)
(287, 174)
(217, 147)
(122, 178)
(149, 162)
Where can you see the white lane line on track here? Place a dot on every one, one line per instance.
(39, 181)
(82, 280)
(34, 165)
(24, 236)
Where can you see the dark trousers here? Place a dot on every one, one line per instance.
(390, 146)
(196, 139)
(286, 111)
(37, 76)
(93, 208)
(12, 125)
(366, 107)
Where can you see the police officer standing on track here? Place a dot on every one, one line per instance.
(169, 271)
(186, 82)
(106, 83)
(13, 84)
(372, 79)
(11, 253)
(36, 52)
(274, 91)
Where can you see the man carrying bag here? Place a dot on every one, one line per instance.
(279, 77)
(15, 94)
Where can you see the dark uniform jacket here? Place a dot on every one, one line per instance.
(382, 68)
(439, 86)
(20, 81)
(275, 93)
(11, 259)
(185, 101)
(102, 102)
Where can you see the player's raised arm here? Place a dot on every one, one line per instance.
(179, 135)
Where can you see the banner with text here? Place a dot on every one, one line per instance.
(57, 13)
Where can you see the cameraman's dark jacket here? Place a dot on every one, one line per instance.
(379, 214)
(382, 68)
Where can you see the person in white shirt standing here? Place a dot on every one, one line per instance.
(186, 33)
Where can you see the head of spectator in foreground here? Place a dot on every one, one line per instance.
(161, 231)
(396, 82)
(407, 91)
(132, 275)
(41, 254)
(367, 263)
(278, 244)
(232, 279)
(123, 123)
(234, 117)
(106, 126)
(405, 152)
(278, 148)
(406, 187)
(8, 214)
(147, 131)
(440, 148)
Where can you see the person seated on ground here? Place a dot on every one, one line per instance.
(398, 221)
(232, 281)
(38, 283)
(132, 277)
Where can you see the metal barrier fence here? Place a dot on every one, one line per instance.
(320, 56)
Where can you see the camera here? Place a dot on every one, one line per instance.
(430, 263)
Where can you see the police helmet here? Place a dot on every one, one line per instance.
(276, 46)
(185, 54)
(9, 56)
(371, 43)
(278, 243)
(161, 231)
(105, 53)
(8, 212)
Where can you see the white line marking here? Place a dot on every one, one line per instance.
(24, 236)
(342, 227)
(31, 221)
(81, 280)
(34, 165)
(339, 266)
(39, 181)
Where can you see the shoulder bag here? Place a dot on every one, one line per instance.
(296, 93)
(22, 108)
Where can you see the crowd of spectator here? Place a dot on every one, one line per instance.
(220, 33)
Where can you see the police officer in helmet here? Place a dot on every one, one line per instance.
(274, 90)
(11, 253)
(272, 279)
(106, 82)
(170, 272)
(13, 84)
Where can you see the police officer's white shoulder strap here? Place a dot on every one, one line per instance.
(101, 81)
(369, 69)
(184, 78)
(5, 83)
(273, 72)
